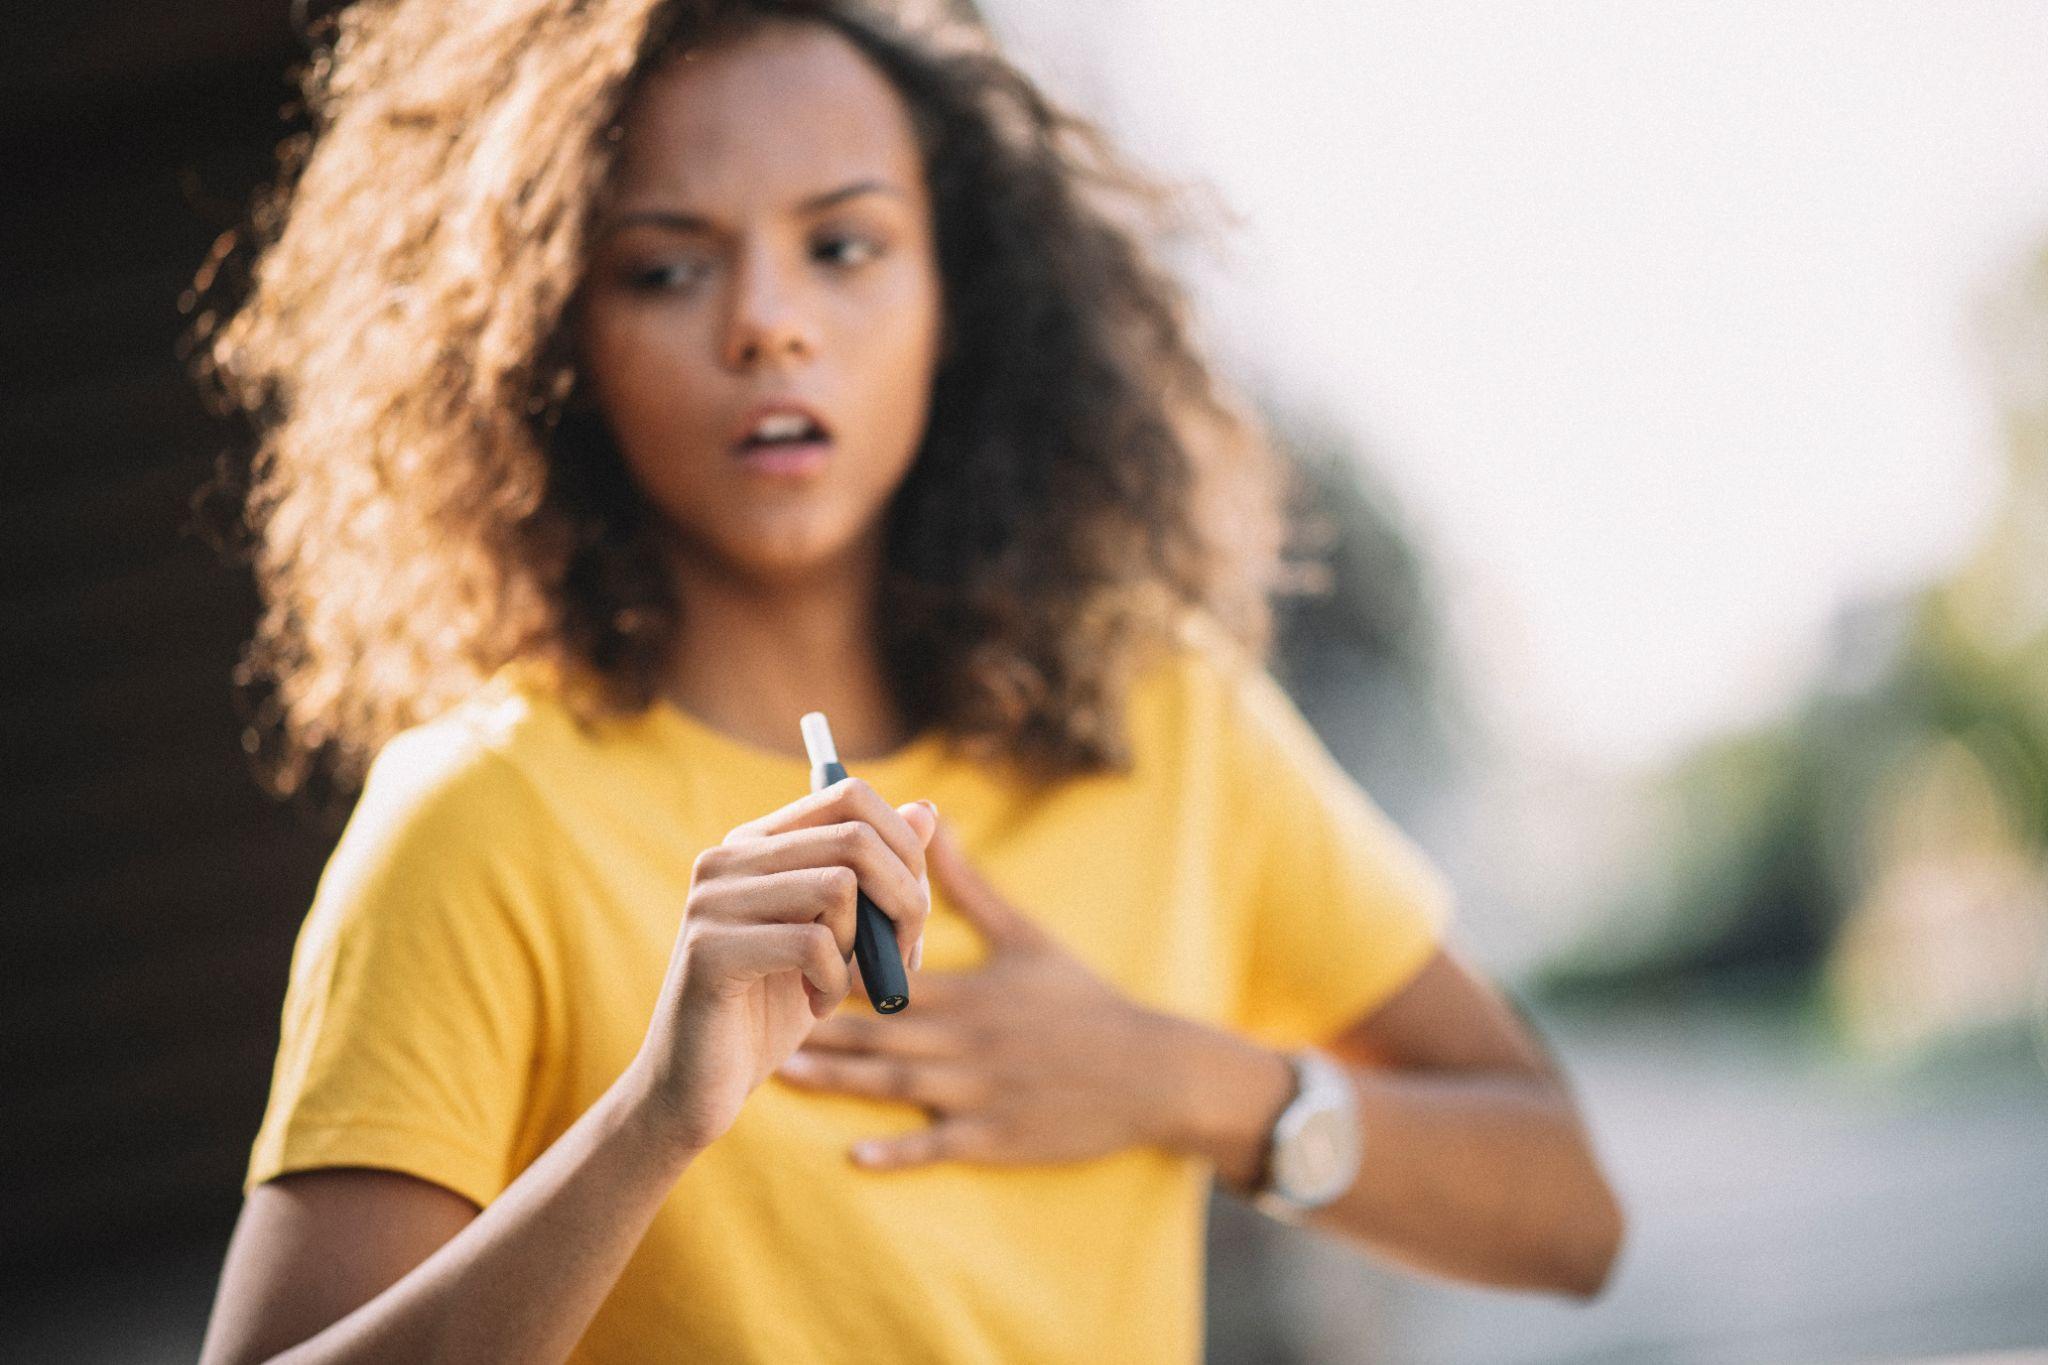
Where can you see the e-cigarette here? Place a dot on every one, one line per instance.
(874, 934)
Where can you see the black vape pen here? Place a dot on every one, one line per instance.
(874, 933)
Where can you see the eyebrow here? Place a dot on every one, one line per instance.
(690, 222)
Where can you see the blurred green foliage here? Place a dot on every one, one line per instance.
(1885, 836)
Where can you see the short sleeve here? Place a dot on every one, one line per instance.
(1343, 910)
(414, 1008)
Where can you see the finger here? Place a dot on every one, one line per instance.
(965, 1138)
(923, 817)
(851, 799)
(847, 799)
(821, 1004)
(939, 995)
(728, 958)
(902, 1035)
(933, 1085)
(823, 894)
(978, 902)
(850, 843)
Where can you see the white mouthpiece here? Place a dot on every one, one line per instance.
(818, 739)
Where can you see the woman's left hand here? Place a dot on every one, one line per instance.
(1030, 1057)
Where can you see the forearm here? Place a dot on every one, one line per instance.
(522, 1281)
(1483, 1176)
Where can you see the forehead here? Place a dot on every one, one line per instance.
(781, 113)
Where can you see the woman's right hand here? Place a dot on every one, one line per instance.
(766, 939)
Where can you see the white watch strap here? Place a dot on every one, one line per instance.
(1322, 1088)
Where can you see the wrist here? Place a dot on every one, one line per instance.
(1317, 1143)
(646, 1112)
(1219, 1094)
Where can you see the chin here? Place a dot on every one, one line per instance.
(775, 563)
(772, 547)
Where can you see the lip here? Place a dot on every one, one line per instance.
(790, 460)
(755, 415)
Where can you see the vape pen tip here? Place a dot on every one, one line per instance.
(818, 739)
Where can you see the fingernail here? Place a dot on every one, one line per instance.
(867, 1153)
(917, 955)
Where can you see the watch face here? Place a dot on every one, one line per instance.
(1320, 1158)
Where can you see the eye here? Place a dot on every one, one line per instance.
(665, 276)
(846, 249)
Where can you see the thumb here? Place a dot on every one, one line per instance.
(922, 817)
(979, 903)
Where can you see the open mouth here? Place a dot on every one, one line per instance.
(784, 441)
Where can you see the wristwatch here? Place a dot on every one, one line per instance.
(1315, 1148)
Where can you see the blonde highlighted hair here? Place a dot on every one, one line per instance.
(428, 499)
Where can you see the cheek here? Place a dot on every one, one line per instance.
(641, 367)
(624, 349)
(895, 351)
(918, 309)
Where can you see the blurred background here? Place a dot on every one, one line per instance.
(1670, 383)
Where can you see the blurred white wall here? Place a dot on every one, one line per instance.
(1656, 314)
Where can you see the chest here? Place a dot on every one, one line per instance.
(1128, 873)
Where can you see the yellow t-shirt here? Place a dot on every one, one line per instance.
(487, 943)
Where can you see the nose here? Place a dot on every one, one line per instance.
(769, 322)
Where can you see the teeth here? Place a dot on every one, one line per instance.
(782, 426)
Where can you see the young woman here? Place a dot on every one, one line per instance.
(635, 377)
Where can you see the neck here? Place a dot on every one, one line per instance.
(753, 657)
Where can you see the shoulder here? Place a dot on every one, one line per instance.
(1206, 687)
(452, 766)
(1213, 708)
(454, 789)
(444, 852)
